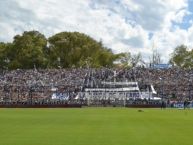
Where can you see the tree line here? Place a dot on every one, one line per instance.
(63, 50)
(72, 49)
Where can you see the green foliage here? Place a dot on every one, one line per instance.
(79, 50)
(181, 57)
(2, 55)
(74, 49)
(65, 49)
(27, 51)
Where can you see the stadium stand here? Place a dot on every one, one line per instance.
(41, 86)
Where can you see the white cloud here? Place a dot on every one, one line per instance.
(123, 25)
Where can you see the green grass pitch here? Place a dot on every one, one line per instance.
(96, 126)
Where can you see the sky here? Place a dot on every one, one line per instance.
(136, 26)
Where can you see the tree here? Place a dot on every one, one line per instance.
(135, 59)
(4, 60)
(65, 49)
(125, 59)
(75, 49)
(128, 60)
(28, 50)
(181, 57)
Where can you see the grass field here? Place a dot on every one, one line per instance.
(96, 126)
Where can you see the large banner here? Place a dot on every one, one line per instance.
(161, 66)
(181, 105)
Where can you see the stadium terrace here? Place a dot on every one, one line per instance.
(96, 87)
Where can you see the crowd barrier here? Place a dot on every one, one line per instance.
(40, 106)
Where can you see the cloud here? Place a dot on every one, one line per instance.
(123, 25)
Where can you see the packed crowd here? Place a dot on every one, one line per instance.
(24, 85)
(19, 84)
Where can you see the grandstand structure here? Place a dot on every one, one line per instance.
(110, 91)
